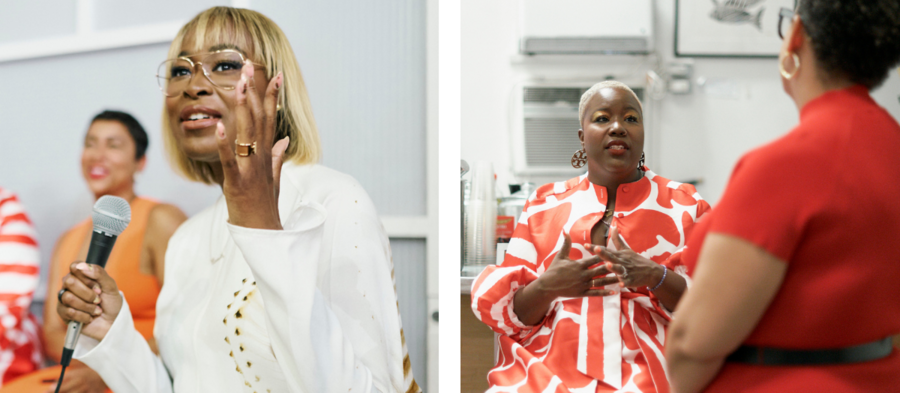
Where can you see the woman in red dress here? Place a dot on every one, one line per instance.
(567, 319)
(796, 284)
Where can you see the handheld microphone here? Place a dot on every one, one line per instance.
(111, 215)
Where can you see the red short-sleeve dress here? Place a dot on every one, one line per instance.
(825, 198)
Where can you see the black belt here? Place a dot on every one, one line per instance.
(811, 357)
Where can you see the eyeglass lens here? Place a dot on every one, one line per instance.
(223, 69)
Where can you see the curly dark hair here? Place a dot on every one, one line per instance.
(134, 129)
(854, 39)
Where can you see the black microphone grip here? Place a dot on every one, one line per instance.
(100, 248)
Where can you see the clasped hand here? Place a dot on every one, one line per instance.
(570, 278)
(631, 269)
(587, 276)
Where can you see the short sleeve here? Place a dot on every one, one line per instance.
(770, 199)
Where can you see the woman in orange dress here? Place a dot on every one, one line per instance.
(113, 153)
(573, 315)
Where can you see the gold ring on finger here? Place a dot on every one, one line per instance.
(244, 149)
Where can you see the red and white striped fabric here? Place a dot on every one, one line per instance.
(589, 344)
(20, 349)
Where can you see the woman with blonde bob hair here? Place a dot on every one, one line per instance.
(295, 118)
(285, 283)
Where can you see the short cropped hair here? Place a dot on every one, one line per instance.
(138, 135)
(271, 49)
(600, 86)
(854, 39)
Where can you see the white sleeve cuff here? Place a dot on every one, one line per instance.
(89, 350)
(124, 359)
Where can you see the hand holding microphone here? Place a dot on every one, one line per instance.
(89, 289)
(90, 299)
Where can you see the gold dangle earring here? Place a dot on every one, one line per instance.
(579, 158)
(784, 73)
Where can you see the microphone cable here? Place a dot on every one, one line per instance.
(64, 362)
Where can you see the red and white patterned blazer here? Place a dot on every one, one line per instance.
(595, 344)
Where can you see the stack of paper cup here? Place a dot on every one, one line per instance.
(480, 243)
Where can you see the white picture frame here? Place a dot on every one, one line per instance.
(728, 28)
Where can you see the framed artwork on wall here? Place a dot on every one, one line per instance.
(728, 28)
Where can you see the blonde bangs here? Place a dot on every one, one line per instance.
(269, 47)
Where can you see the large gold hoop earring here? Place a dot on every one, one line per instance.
(784, 72)
(579, 158)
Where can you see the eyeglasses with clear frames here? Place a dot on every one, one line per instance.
(222, 68)
(785, 21)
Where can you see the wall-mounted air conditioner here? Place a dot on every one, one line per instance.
(586, 27)
(544, 125)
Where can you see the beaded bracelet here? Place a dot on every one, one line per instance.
(665, 271)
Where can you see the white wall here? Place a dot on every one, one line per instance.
(365, 68)
(700, 135)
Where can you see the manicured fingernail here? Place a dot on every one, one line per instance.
(98, 311)
(83, 267)
(220, 130)
(97, 289)
(96, 300)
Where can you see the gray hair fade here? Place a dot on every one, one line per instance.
(602, 85)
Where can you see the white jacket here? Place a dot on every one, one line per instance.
(311, 308)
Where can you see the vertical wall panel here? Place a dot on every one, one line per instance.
(409, 273)
(364, 66)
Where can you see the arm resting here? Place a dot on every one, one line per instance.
(734, 283)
